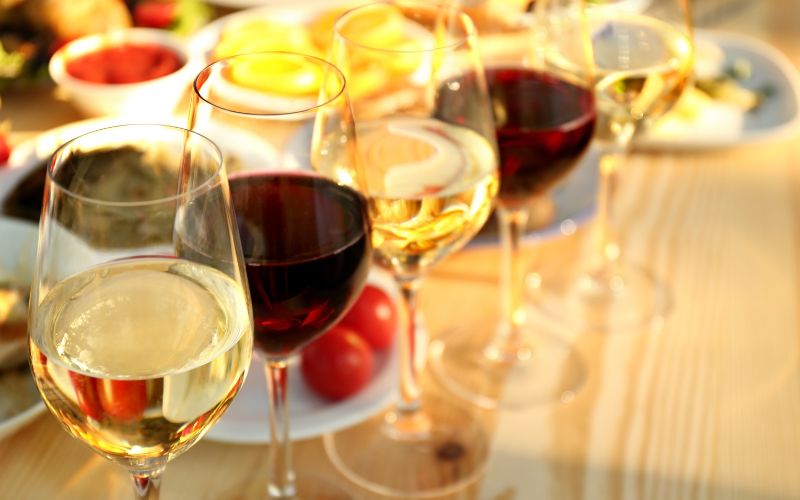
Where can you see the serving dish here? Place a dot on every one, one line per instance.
(771, 75)
(148, 98)
(19, 400)
(242, 150)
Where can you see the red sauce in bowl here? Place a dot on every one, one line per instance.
(126, 63)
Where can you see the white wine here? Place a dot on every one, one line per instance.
(643, 65)
(140, 357)
(431, 187)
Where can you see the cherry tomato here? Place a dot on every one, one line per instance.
(374, 317)
(123, 400)
(338, 364)
(88, 399)
(154, 14)
(5, 150)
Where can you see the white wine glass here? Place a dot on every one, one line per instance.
(643, 53)
(140, 324)
(426, 138)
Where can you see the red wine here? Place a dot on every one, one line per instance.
(544, 125)
(306, 246)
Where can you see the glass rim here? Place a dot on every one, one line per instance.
(469, 26)
(305, 109)
(189, 193)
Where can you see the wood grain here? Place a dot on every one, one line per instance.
(705, 407)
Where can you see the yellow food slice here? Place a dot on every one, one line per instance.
(379, 26)
(691, 104)
(285, 77)
(369, 81)
(321, 28)
(261, 35)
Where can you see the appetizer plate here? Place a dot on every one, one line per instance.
(247, 419)
(17, 254)
(242, 150)
(243, 4)
(776, 116)
(301, 12)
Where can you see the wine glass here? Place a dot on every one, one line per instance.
(140, 327)
(545, 119)
(304, 230)
(426, 137)
(643, 54)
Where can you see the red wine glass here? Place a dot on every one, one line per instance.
(544, 121)
(304, 231)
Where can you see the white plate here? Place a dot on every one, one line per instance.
(17, 254)
(301, 12)
(298, 13)
(777, 116)
(240, 146)
(242, 150)
(246, 421)
(244, 4)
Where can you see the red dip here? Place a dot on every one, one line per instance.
(127, 63)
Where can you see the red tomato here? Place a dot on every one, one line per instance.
(5, 150)
(123, 400)
(86, 390)
(338, 364)
(374, 317)
(154, 14)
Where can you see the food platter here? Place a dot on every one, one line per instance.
(244, 4)
(19, 399)
(241, 149)
(246, 421)
(717, 124)
(298, 13)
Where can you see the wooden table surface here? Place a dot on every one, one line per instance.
(706, 407)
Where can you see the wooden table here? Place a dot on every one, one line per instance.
(706, 407)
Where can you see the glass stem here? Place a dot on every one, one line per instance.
(606, 250)
(280, 483)
(409, 374)
(507, 344)
(147, 484)
(408, 422)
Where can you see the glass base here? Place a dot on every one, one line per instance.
(539, 368)
(623, 298)
(311, 486)
(435, 453)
